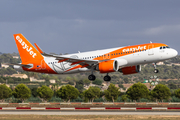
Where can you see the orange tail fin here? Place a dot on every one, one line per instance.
(26, 50)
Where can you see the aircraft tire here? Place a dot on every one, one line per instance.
(92, 77)
(156, 70)
(107, 78)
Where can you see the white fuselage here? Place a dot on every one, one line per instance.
(137, 58)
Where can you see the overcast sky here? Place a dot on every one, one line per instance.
(68, 26)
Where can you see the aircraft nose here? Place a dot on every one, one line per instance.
(174, 53)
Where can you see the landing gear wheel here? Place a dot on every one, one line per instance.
(156, 70)
(92, 77)
(107, 78)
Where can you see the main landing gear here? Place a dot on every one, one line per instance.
(107, 78)
(155, 70)
(93, 77)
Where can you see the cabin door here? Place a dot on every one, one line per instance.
(150, 49)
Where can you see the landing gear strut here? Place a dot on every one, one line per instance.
(92, 77)
(155, 70)
(107, 78)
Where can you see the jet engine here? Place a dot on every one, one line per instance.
(107, 66)
(130, 69)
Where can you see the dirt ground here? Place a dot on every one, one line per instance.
(88, 117)
(87, 106)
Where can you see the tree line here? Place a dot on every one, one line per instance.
(68, 93)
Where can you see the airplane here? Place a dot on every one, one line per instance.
(127, 60)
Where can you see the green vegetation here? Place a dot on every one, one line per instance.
(124, 98)
(7, 58)
(169, 75)
(22, 92)
(137, 91)
(34, 92)
(161, 92)
(13, 80)
(67, 93)
(45, 93)
(97, 82)
(111, 94)
(92, 93)
(177, 93)
(121, 86)
(80, 85)
(5, 92)
(86, 81)
(165, 72)
(8, 71)
(126, 80)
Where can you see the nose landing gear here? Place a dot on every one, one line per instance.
(155, 70)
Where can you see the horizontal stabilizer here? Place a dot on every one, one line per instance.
(21, 65)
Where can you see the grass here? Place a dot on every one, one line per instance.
(89, 117)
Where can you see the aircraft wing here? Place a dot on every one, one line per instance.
(73, 60)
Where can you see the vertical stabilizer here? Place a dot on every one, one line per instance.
(26, 50)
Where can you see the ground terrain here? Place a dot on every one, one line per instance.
(89, 117)
(72, 105)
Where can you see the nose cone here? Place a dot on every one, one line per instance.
(174, 53)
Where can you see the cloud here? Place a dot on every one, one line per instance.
(68, 26)
(162, 30)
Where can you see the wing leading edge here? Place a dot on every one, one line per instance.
(72, 60)
(61, 58)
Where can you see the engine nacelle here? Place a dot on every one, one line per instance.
(17, 67)
(107, 66)
(130, 70)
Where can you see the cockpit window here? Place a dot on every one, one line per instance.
(164, 47)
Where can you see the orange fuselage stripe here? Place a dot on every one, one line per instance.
(63, 60)
(124, 51)
(128, 50)
(76, 62)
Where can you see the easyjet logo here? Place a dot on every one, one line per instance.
(134, 49)
(26, 47)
